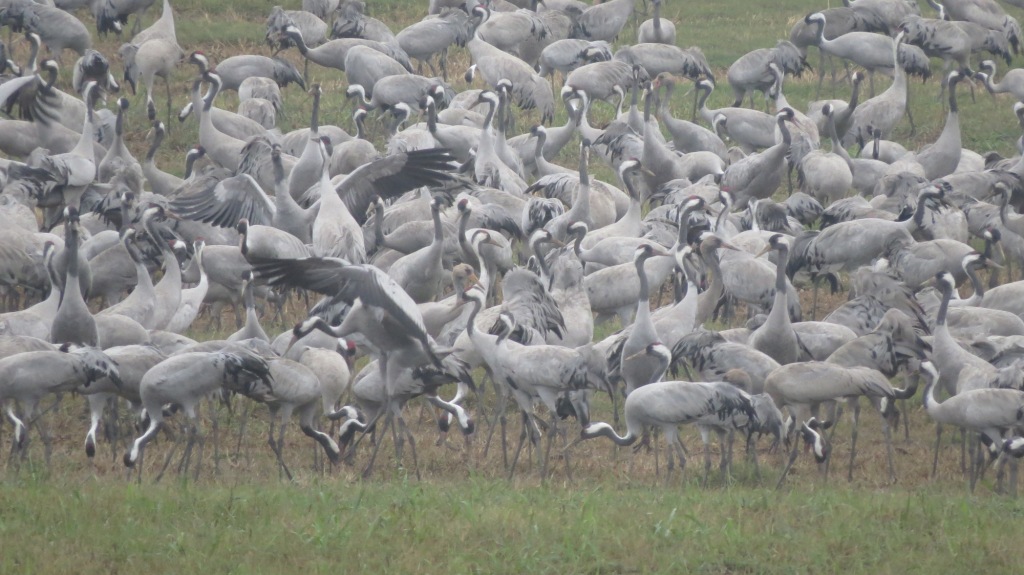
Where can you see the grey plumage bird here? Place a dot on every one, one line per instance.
(603, 21)
(750, 72)
(32, 375)
(669, 404)
(188, 378)
(73, 322)
(113, 15)
(529, 89)
(657, 29)
(58, 29)
(758, 175)
(434, 36)
(234, 70)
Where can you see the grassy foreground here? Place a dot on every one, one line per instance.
(78, 519)
(483, 526)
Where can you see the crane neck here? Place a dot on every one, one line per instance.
(158, 139)
(702, 101)
(954, 110)
(33, 60)
(947, 294)
(463, 241)
(603, 429)
(918, 220)
(584, 176)
(720, 220)
(300, 43)
(378, 226)
(976, 285)
(780, 271)
(821, 31)
(474, 309)
(190, 162)
(1004, 213)
(215, 86)
(489, 118)
(360, 130)
(431, 116)
(485, 274)
(645, 289)
(663, 108)
(71, 275)
(784, 130)
(542, 261)
(930, 403)
(538, 149)
(837, 146)
(314, 122)
(899, 82)
(435, 212)
(119, 124)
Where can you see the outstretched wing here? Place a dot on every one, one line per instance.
(230, 200)
(392, 176)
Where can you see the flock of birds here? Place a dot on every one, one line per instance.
(459, 246)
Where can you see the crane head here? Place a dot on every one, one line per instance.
(1014, 446)
(827, 110)
(645, 251)
(786, 114)
(927, 369)
(199, 59)
(814, 17)
(814, 440)
(475, 294)
(944, 281)
(578, 229)
(656, 350)
(542, 236)
(487, 97)
(629, 167)
(483, 237)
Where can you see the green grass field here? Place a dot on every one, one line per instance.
(614, 515)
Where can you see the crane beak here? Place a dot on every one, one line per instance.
(728, 246)
(635, 355)
(991, 264)
(290, 344)
(578, 440)
(764, 251)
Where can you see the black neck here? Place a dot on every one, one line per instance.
(947, 294)
(780, 269)
(645, 290)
